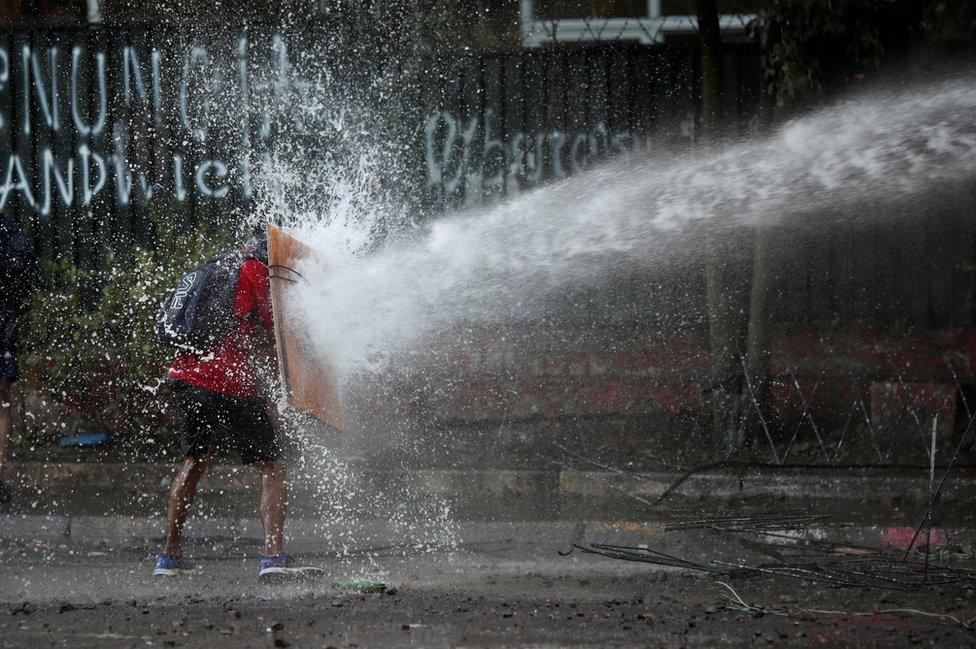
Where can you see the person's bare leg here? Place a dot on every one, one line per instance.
(274, 497)
(181, 497)
(6, 422)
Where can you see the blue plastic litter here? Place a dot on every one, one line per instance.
(83, 439)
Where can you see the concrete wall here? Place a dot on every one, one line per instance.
(502, 398)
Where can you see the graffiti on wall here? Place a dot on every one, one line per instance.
(63, 95)
(80, 123)
(468, 158)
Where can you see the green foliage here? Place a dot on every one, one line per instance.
(801, 39)
(949, 21)
(90, 354)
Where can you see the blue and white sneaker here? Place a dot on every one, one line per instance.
(170, 566)
(282, 567)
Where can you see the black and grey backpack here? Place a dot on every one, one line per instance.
(198, 312)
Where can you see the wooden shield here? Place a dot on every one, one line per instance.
(312, 385)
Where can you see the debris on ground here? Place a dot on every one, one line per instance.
(780, 534)
(359, 585)
(736, 603)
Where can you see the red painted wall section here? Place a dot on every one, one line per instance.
(550, 373)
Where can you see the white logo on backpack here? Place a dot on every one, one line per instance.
(183, 290)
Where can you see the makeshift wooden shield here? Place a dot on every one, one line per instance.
(311, 384)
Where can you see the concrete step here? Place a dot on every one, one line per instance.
(345, 536)
(844, 483)
(140, 491)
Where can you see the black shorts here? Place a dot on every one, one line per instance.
(246, 420)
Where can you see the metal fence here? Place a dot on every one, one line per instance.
(102, 126)
(505, 123)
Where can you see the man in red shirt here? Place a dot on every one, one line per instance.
(220, 390)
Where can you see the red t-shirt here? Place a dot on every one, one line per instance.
(227, 369)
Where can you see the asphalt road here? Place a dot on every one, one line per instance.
(494, 594)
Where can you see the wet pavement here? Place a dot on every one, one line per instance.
(501, 593)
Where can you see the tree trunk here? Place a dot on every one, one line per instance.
(760, 334)
(727, 319)
(727, 277)
(759, 341)
(710, 42)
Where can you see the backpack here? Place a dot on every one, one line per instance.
(198, 312)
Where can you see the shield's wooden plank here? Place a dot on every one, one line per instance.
(311, 385)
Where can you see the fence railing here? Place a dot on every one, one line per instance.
(101, 126)
(646, 31)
